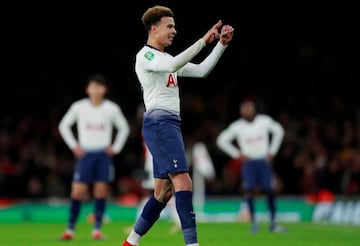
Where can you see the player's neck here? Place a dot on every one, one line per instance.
(249, 118)
(154, 44)
(96, 102)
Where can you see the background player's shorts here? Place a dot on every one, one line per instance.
(162, 134)
(257, 173)
(93, 167)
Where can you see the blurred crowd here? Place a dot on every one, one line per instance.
(320, 150)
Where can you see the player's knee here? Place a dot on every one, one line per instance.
(182, 182)
(79, 192)
(78, 195)
(100, 190)
(184, 187)
(100, 193)
(249, 193)
(162, 196)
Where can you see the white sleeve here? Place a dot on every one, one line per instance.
(123, 130)
(65, 127)
(206, 66)
(277, 136)
(172, 64)
(224, 142)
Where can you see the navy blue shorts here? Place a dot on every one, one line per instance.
(94, 167)
(162, 135)
(257, 173)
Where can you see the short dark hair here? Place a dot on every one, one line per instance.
(98, 78)
(154, 14)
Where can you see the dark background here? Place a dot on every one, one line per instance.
(301, 51)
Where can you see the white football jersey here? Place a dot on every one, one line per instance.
(253, 138)
(158, 71)
(94, 125)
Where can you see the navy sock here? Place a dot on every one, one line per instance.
(184, 207)
(74, 213)
(271, 205)
(99, 212)
(250, 203)
(150, 214)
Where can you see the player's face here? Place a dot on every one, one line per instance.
(247, 110)
(165, 31)
(96, 91)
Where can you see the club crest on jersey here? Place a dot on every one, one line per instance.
(149, 55)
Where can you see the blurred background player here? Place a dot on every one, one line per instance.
(95, 117)
(258, 137)
(157, 72)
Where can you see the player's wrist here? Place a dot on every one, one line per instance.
(202, 41)
(223, 43)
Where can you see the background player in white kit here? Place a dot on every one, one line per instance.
(95, 118)
(157, 72)
(252, 134)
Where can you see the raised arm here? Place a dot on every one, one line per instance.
(172, 64)
(206, 66)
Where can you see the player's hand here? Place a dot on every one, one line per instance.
(213, 33)
(243, 158)
(110, 151)
(226, 35)
(78, 151)
(270, 158)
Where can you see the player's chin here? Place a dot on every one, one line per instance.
(168, 43)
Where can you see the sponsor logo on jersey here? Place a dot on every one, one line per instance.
(149, 55)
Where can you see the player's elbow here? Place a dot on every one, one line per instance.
(203, 73)
(220, 142)
(126, 130)
(281, 132)
(62, 128)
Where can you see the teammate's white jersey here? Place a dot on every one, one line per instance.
(253, 138)
(94, 125)
(157, 73)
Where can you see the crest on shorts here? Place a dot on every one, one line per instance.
(149, 55)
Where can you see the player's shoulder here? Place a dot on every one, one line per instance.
(236, 122)
(264, 118)
(111, 104)
(80, 103)
(147, 54)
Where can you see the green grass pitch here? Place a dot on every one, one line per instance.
(210, 234)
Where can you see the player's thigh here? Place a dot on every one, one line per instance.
(265, 175)
(104, 169)
(248, 176)
(100, 189)
(83, 172)
(181, 181)
(167, 148)
(79, 190)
